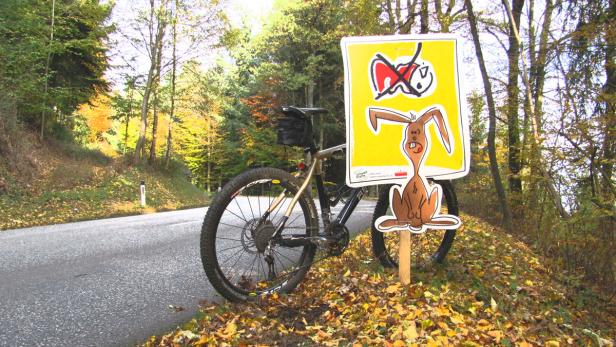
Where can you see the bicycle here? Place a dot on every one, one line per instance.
(259, 213)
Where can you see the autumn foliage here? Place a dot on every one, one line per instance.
(97, 113)
(493, 290)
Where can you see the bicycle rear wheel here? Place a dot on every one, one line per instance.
(427, 248)
(234, 235)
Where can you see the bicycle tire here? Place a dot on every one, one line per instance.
(379, 247)
(212, 225)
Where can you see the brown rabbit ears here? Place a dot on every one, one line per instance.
(378, 113)
(374, 114)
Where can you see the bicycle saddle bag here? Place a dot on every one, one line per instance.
(294, 128)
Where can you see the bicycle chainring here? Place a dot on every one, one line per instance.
(340, 234)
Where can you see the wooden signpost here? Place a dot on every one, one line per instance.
(404, 263)
(406, 122)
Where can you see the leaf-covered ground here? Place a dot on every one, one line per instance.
(493, 290)
(65, 190)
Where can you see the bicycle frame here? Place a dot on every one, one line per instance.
(315, 171)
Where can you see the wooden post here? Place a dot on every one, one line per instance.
(404, 266)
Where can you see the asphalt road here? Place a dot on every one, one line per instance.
(107, 282)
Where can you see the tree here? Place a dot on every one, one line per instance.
(157, 23)
(498, 184)
(513, 127)
(43, 69)
(174, 64)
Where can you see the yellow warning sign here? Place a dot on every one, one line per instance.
(405, 109)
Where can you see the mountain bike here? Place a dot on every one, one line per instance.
(263, 232)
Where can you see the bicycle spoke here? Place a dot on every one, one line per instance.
(238, 255)
(226, 209)
(294, 219)
(251, 267)
(279, 208)
(233, 226)
(250, 205)
(226, 238)
(226, 249)
(261, 266)
(282, 255)
(240, 208)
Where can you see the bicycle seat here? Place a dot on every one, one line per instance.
(303, 110)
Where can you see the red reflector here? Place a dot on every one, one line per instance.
(301, 166)
(400, 174)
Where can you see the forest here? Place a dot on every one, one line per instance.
(177, 84)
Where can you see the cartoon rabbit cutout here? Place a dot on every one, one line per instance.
(416, 205)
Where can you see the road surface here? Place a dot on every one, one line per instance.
(107, 282)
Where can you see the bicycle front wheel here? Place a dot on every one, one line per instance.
(427, 248)
(234, 236)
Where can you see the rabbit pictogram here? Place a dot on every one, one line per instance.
(416, 205)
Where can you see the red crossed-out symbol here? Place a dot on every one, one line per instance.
(388, 79)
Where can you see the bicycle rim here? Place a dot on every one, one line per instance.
(235, 234)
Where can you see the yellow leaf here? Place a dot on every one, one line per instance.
(456, 319)
(483, 322)
(392, 289)
(442, 311)
(229, 331)
(399, 343)
(202, 341)
(347, 273)
(552, 343)
(411, 332)
(493, 305)
(529, 283)
(496, 334)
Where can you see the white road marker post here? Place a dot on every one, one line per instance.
(142, 193)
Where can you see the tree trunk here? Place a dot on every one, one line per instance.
(128, 115)
(159, 52)
(152, 157)
(513, 127)
(498, 184)
(153, 45)
(309, 103)
(608, 97)
(44, 110)
(173, 76)
(391, 17)
(536, 82)
(444, 17)
(425, 25)
(410, 20)
(209, 154)
(535, 117)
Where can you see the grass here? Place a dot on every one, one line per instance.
(84, 184)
